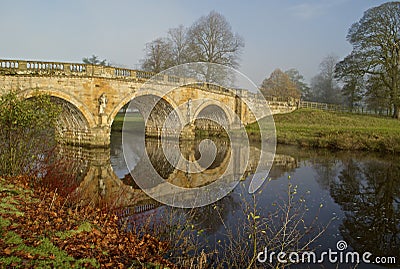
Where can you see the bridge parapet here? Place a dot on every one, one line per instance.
(44, 68)
(64, 69)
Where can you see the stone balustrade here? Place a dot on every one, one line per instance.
(22, 67)
(44, 68)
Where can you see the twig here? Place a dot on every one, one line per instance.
(54, 198)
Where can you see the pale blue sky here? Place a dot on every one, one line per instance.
(278, 33)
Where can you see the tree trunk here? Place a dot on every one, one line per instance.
(396, 112)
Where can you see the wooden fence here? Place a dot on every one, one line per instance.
(329, 107)
(343, 108)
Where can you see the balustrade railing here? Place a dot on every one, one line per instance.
(9, 64)
(118, 72)
(21, 67)
(43, 68)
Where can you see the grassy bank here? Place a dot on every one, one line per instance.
(134, 121)
(321, 129)
(316, 128)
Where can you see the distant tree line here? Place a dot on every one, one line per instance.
(368, 76)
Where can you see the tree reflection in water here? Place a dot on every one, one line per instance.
(368, 193)
(365, 186)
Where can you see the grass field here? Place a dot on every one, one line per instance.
(134, 121)
(316, 128)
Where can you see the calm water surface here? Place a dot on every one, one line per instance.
(357, 193)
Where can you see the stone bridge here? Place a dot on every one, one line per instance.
(91, 97)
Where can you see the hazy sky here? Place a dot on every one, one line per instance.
(278, 33)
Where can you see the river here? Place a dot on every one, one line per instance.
(350, 197)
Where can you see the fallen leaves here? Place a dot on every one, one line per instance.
(46, 216)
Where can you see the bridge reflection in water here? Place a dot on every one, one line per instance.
(105, 179)
(360, 190)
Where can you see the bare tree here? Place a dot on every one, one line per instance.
(158, 55)
(212, 40)
(179, 41)
(324, 86)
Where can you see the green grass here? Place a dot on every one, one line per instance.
(133, 120)
(84, 227)
(44, 255)
(316, 128)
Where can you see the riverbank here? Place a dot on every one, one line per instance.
(41, 229)
(321, 129)
(343, 131)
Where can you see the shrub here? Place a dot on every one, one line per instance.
(26, 131)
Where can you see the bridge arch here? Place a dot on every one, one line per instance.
(67, 101)
(71, 118)
(143, 101)
(215, 114)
